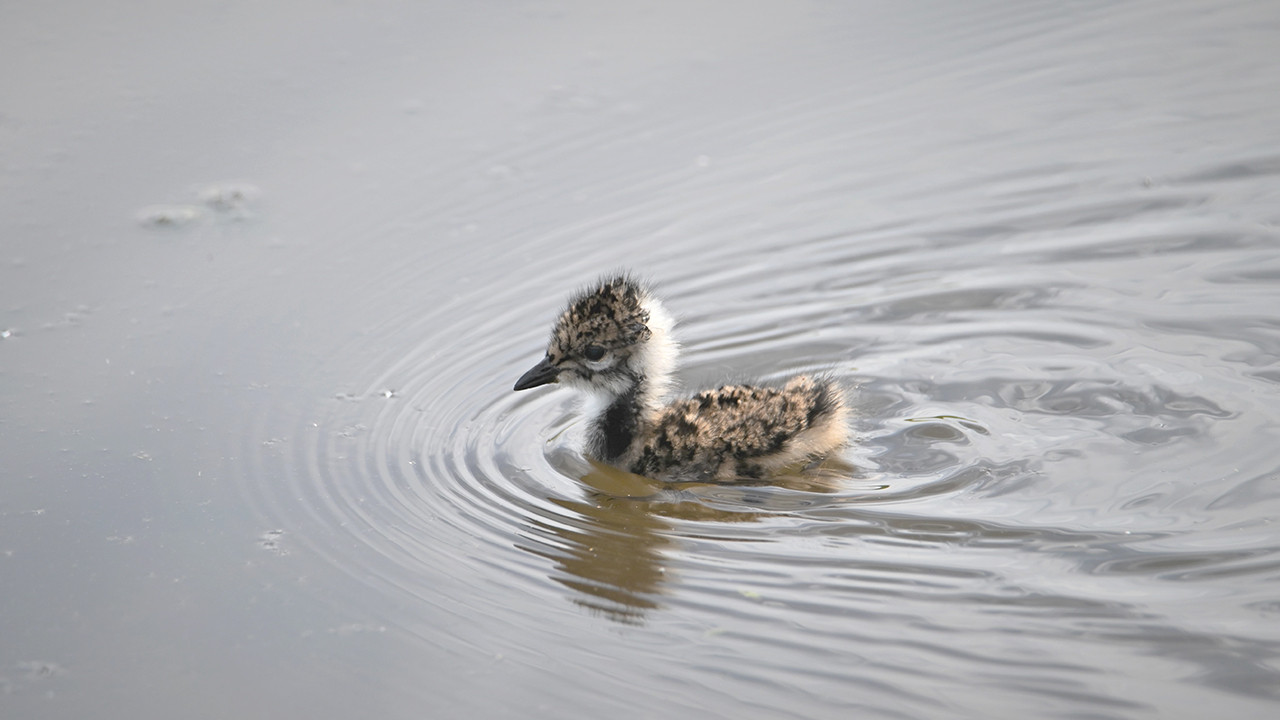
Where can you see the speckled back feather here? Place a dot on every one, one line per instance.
(744, 431)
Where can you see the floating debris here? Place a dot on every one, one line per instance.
(40, 669)
(233, 200)
(162, 216)
(230, 198)
(270, 541)
(351, 431)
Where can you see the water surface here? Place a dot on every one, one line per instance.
(268, 275)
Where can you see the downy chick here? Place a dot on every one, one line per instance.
(614, 342)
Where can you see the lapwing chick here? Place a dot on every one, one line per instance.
(614, 342)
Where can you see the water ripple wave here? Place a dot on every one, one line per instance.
(1063, 418)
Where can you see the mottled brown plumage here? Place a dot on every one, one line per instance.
(614, 342)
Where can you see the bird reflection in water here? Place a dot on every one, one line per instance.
(612, 546)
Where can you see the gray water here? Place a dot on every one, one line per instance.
(268, 273)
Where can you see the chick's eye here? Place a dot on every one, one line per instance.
(593, 352)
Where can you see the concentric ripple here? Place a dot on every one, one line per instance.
(1063, 385)
(1038, 438)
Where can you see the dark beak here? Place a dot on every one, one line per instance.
(541, 374)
